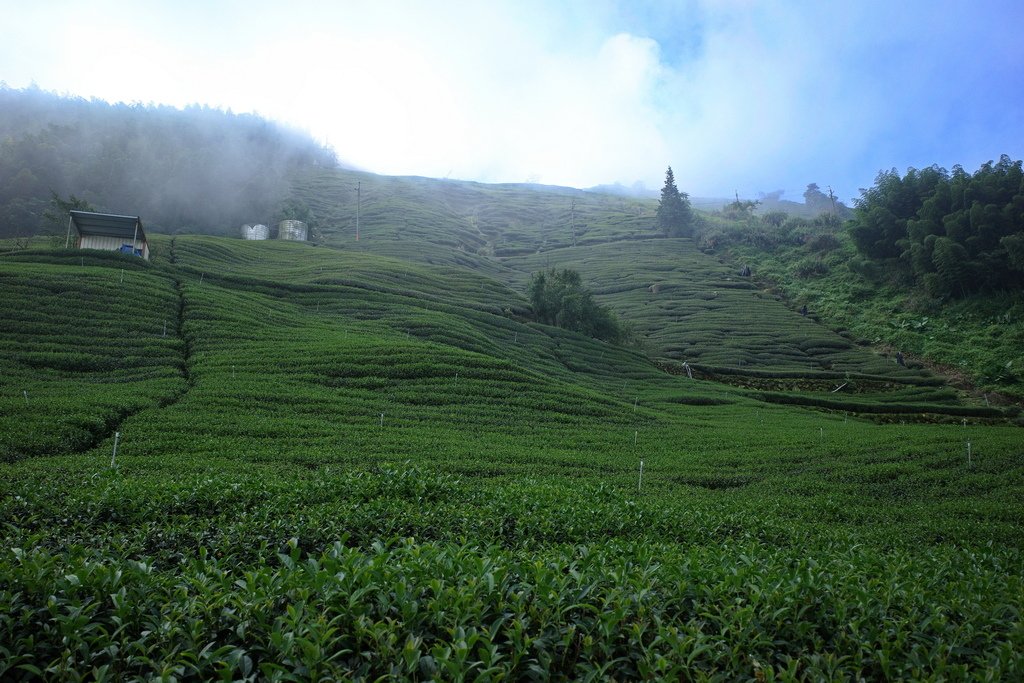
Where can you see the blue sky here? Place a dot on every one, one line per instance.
(737, 95)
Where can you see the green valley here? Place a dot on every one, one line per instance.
(366, 460)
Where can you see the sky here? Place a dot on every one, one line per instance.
(738, 96)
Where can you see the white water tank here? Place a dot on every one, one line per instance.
(255, 232)
(291, 230)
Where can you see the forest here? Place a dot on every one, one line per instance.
(193, 170)
(952, 233)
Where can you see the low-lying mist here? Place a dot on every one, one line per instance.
(197, 169)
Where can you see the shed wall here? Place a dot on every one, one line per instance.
(97, 242)
(110, 244)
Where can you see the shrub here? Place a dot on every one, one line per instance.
(774, 218)
(823, 243)
(866, 268)
(808, 268)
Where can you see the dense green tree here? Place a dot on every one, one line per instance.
(675, 216)
(953, 232)
(1014, 245)
(740, 210)
(56, 216)
(815, 199)
(952, 265)
(558, 297)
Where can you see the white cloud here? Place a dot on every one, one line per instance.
(753, 96)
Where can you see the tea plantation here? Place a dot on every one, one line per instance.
(364, 461)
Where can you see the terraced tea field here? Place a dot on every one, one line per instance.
(683, 305)
(687, 307)
(345, 462)
(469, 218)
(112, 333)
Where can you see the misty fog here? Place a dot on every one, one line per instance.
(197, 169)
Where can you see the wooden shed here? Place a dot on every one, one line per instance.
(109, 232)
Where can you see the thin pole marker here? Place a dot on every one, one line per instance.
(113, 456)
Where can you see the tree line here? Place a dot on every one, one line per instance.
(194, 169)
(954, 233)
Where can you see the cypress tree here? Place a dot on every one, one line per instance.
(675, 217)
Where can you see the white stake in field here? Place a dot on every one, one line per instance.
(113, 456)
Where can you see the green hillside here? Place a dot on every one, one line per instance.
(470, 217)
(978, 339)
(683, 306)
(364, 460)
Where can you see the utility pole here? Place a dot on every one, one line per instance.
(573, 210)
(359, 199)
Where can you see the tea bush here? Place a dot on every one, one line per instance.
(332, 474)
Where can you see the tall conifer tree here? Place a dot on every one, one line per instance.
(675, 217)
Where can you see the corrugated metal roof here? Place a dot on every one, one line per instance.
(108, 225)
